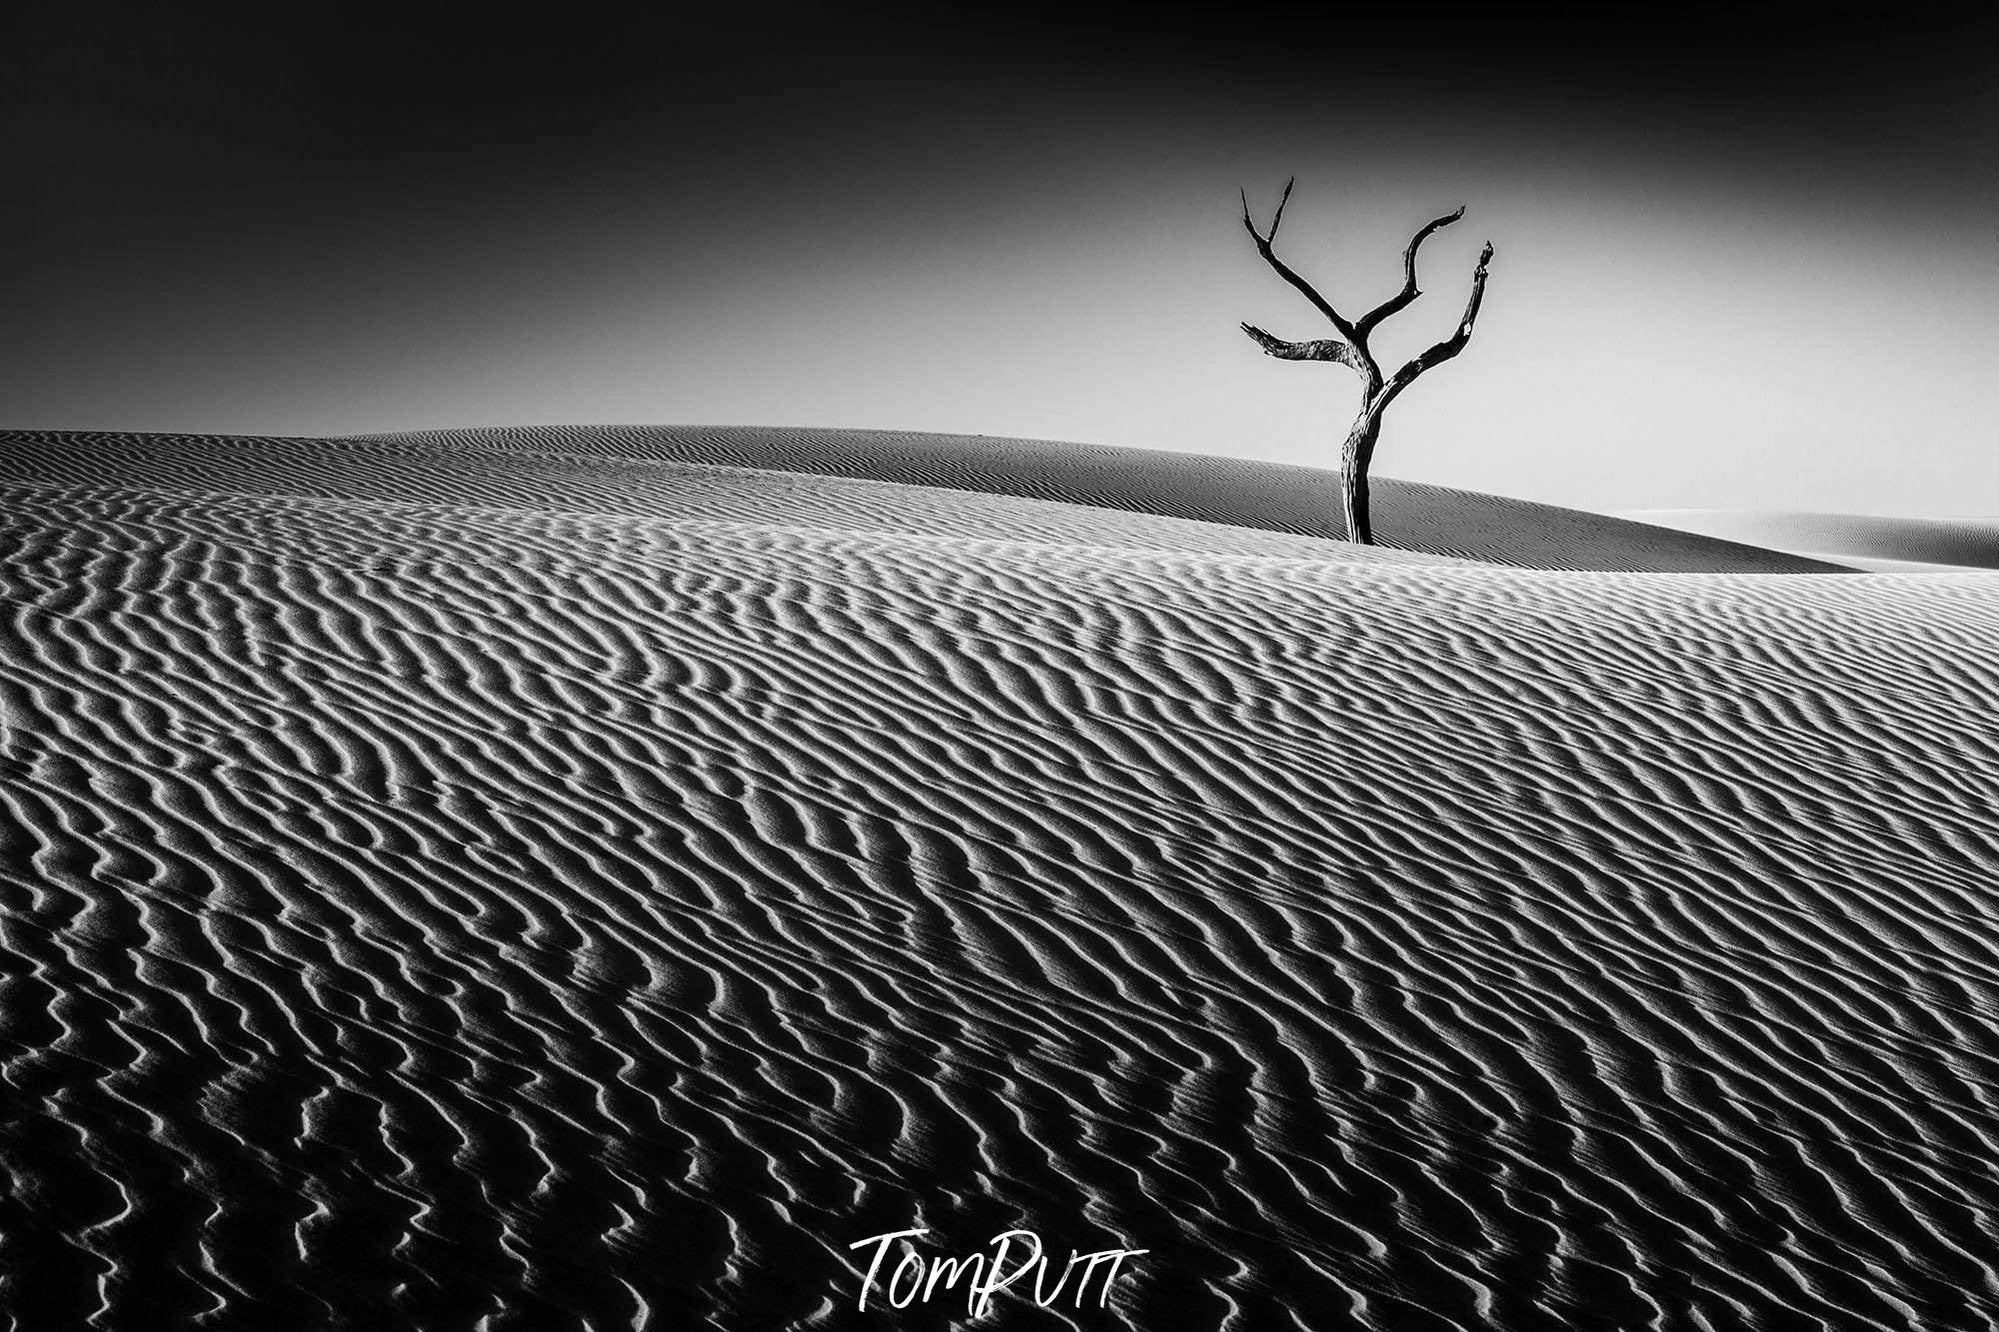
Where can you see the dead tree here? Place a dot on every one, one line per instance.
(1351, 350)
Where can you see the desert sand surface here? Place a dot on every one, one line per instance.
(1267, 496)
(1935, 545)
(591, 878)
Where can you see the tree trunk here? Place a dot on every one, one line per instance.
(1354, 460)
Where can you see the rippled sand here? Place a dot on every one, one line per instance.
(561, 879)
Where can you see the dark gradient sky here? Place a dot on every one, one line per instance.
(1747, 255)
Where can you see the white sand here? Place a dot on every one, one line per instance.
(1904, 545)
(457, 876)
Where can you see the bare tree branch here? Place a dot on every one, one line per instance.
(1263, 244)
(1401, 300)
(1277, 218)
(1444, 350)
(1323, 349)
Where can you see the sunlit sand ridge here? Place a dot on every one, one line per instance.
(590, 879)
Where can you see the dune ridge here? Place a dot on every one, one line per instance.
(1239, 492)
(486, 908)
(1884, 544)
(616, 467)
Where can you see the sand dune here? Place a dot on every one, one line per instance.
(1892, 545)
(460, 882)
(1266, 496)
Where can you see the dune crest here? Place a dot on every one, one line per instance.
(1890, 545)
(1238, 492)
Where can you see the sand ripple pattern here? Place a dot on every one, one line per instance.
(480, 915)
(1080, 487)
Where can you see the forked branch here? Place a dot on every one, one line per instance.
(1444, 350)
(1402, 300)
(1263, 247)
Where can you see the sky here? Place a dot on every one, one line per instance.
(1747, 254)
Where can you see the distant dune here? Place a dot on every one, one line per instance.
(591, 878)
(1888, 544)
